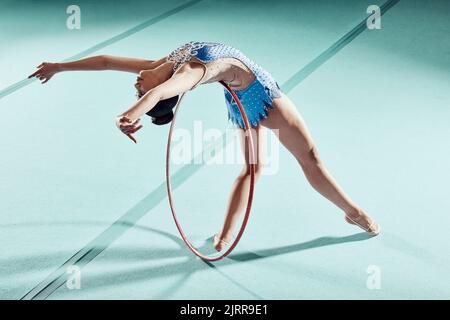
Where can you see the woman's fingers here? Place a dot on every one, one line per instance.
(132, 138)
(124, 122)
(40, 71)
(136, 129)
(39, 75)
(134, 122)
(130, 129)
(126, 129)
(128, 120)
(130, 124)
(34, 74)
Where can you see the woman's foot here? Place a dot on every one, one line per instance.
(362, 220)
(221, 242)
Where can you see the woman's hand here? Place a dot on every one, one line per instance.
(46, 71)
(127, 126)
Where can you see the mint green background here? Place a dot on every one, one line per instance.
(377, 109)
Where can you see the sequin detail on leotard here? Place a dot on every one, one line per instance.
(184, 53)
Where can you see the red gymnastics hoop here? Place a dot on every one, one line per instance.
(249, 141)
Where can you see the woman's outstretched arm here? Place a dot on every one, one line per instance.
(181, 81)
(47, 70)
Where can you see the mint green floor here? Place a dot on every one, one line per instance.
(74, 190)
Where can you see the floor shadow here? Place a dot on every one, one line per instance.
(312, 244)
(184, 268)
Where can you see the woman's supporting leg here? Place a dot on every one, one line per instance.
(295, 136)
(241, 187)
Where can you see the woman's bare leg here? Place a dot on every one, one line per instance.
(295, 136)
(241, 187)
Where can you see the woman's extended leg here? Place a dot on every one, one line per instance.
(241, 186)
(295, 136)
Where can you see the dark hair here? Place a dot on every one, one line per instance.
(162, 112)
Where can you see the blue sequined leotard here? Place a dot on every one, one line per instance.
(256, 98)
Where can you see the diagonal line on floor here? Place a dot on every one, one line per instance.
(23, 83)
